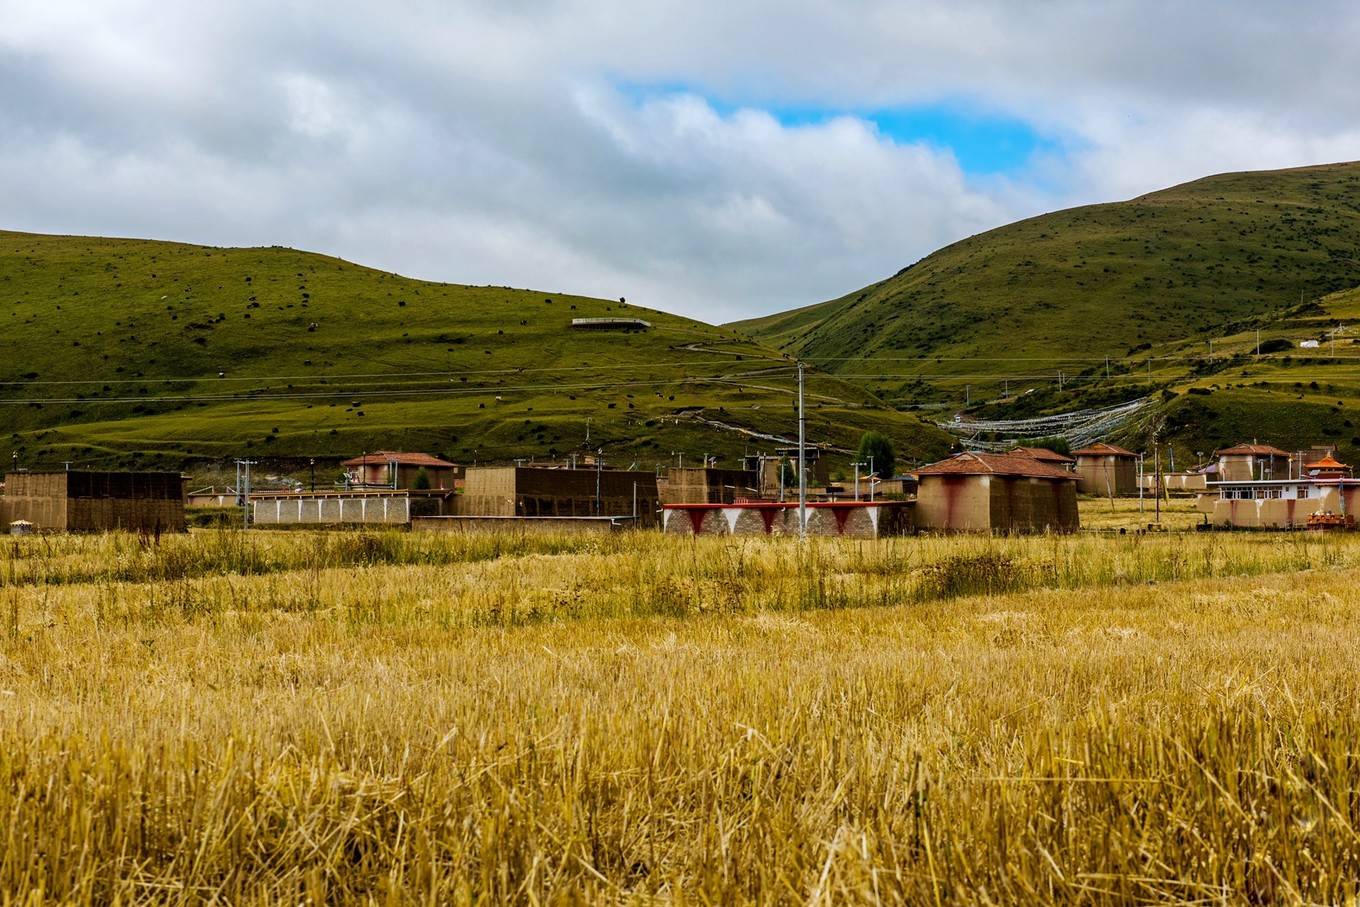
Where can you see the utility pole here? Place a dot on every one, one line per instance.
(1141, 473)
(243, 487)
(1107, 368)
(968, 395)
(311, 462)
(1157, 480)
(802, 460)
(1211, 349)
(871, 480)
(1258, 343)
(599, 473)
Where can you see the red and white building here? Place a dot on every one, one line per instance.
(1325, 496)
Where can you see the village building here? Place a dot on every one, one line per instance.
(987, 492)
(540, 491)
(90, 501)
(707, 485)
(1245, 462)
(1325, 496)
(1106, 470)
(398, 469)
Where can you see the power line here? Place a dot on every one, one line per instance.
(342, 392)
(445, 373)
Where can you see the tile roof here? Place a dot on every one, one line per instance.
(1260, 450)
(974, 463)
(1327, 462)
(1042, 454)
(383, 457)
(1101, 449)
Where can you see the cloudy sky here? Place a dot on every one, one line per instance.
(720, 159)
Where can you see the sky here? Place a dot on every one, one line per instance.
(717, 159)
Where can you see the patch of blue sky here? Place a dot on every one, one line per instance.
(985, 143)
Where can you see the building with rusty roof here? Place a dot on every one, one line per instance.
(400, 469)
(1107, 470)
(1245, 462)
(988, 492)
(1044, 455)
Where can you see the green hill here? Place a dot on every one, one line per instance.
(131, 352)
(1096, 281)
(1106, 303)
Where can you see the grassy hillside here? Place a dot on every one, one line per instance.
(1095, 281)
(127, 352)
(1108, 302)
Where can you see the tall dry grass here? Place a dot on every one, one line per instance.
(399, 718)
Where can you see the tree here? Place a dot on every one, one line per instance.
(1056, 444)
(422, 480)
(876, 447)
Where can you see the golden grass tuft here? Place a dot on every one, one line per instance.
(396, 718)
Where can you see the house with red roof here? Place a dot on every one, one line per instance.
(400, 469)
(1106, 470)
(1044, 455)
(1245, 462)
(990, 492)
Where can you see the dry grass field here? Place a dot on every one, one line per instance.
(400, 718)
(1130, 514)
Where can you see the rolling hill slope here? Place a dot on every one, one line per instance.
(133, 352)
(1102, 280)
(1163, 296)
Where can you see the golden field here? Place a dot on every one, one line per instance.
(404, 718)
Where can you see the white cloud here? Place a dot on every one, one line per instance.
(485, 141)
